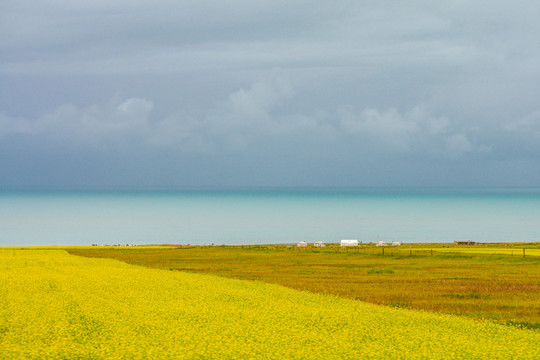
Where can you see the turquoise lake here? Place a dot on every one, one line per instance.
(269, 216)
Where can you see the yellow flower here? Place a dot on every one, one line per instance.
(58, 306)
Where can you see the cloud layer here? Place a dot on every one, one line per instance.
(269, 93)
(250, 114)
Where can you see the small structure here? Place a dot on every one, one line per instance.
(349, 242)
(302, 244)
(396, 243)
(381, 243)
(464, 242)
(319, 244)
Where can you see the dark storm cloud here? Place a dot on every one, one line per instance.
(269, 93)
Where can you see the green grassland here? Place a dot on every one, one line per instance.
(476, 282)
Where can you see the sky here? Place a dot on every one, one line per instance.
(171, 94)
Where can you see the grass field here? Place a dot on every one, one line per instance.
(513, 252)
(57, 306)
(497, 287)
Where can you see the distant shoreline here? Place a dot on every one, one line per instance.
(414, 190)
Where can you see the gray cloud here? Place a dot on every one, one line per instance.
(529, 124)
(184, 36)
(91, 125)
(244, 117)
(313, 91)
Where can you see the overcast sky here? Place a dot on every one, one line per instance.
(170, 94)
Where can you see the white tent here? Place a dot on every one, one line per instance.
(349, 242)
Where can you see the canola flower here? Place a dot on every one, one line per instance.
(483, 250)
(57, 306)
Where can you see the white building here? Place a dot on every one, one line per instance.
(302, 244)
(319, 244)
(382, 243)
(396, 243)
(349, 242)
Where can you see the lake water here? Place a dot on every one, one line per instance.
(269, 216)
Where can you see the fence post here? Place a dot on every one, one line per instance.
(383, 250)
(523, 252)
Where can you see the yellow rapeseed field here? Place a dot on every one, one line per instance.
(485, 250)
(57, 306)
